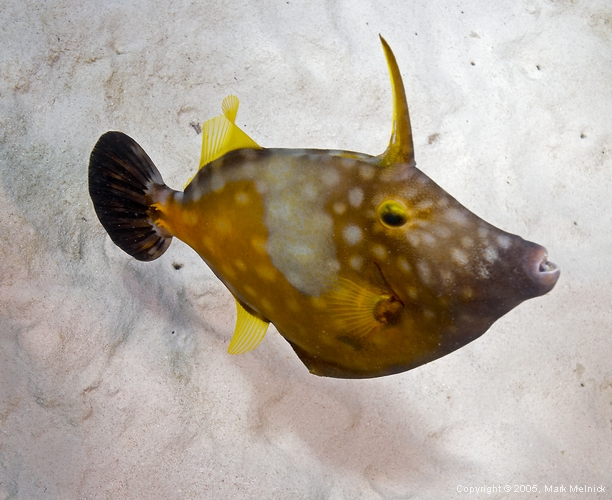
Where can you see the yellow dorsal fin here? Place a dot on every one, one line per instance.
(400, 149)
(220, 134)
(250, 330)
(359, 310)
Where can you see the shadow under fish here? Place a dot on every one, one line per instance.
(364, 265)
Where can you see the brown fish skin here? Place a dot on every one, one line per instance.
(364, 264)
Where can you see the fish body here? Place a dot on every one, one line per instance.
(363, 264)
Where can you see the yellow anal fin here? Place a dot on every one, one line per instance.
(220, 134)
(250, 330)
(400, 149)
(358, 310)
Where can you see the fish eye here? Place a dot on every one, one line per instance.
(392, 213)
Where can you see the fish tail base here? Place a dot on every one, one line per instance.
(126, 188)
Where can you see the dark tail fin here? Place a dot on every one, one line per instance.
(123, 184)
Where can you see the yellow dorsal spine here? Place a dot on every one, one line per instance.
(400, 149)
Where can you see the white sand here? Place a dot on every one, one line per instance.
(114, 376)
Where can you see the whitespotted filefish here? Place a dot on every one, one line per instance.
(363, 264)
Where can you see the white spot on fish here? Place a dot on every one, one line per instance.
(459, 256)
(259, 245)
(482, 272)
(195, 192)
(310, 191)
(424, 272)
(402, 263)
(424, 206)
(413, 238)
(348, 162)
(355, 196)
(467, 242)
(379, 251)
(490, 254)
(429, 239)
(483, 232)
(356, 261)
(261, 187)
(248, 169)
(442, 231)
(217, 182)
(333, 266)
(241, 198)
(330, 177)
(352, 234)
(339, 208)
(504, 241)
(366, 171)
(456, 216)
(266, 272)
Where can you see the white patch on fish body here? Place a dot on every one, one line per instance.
(467, 242)
(429, 239)
(356, 261)
(339, 208)
(456, 216)
(352, 234)
(330, 177)
(355, 196)
(217, 182)
(379, 251)
(459, 257)
(490, 254)
(366, 171)
(424, 272)
(504, 241)
(300, 231)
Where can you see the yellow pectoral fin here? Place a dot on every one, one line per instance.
(359, 310)
(250, 331)
(400, 149)
(220, 134)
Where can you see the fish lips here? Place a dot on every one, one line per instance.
(542, 273)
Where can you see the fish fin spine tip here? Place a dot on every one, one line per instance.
(127, 191)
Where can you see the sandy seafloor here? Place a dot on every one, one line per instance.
(114, 376)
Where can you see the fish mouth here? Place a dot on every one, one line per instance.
(544, 273)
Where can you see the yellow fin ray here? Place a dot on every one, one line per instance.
(220, 134)
(250, 330)
(355, 308)
(400, 149)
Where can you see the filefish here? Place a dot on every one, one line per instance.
(362, 263)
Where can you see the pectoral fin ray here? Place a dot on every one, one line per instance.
(220, 134)
(250, 330)
(359, 309)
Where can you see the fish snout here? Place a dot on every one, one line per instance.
(542, 273)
